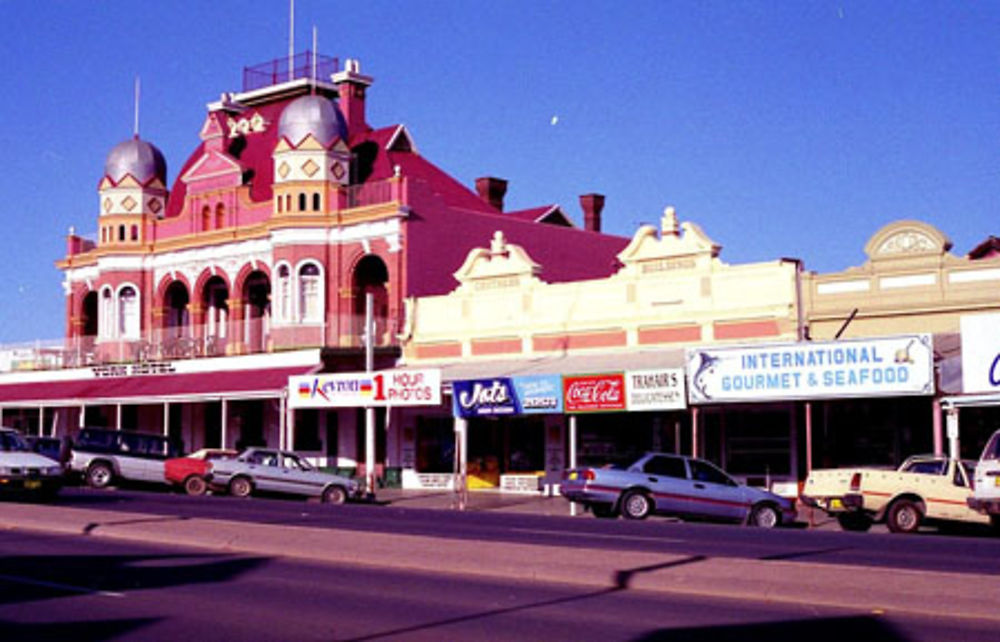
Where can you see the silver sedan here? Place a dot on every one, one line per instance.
(279, 471)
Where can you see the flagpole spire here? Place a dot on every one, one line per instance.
(291, 40)
(135, 124)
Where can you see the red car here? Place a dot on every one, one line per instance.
(192, 472)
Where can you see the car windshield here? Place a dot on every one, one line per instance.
(12, 442)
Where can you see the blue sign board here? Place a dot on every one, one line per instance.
(499, 396)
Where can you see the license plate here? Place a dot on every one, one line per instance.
(836, 504)
(31, 484)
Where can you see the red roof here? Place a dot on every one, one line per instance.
(158, 388)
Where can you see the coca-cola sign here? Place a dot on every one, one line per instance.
(594, 393)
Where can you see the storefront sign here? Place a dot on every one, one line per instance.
(484, 397)
(538, 394)
(359, 389)
(980, 353)
(594, 393)
(655, 389)
(901, 365)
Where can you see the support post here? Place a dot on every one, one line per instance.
(222, 423)
(809, 438)
(285, 425)
(572, 455)
(166, 419)
(937, 427)
(694, 431)
(369, 410)
(953, 441)
(41, 421)
(461, 463)
(118, 416)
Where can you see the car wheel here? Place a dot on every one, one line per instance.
(195, 485)
(636, 504)
(334, 495)
(240, 487)
(99, 475)
(856, 522)
(603, 511)
(904, 517)
(765, 516)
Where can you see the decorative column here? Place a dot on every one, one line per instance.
(236, 316)
(196, 314)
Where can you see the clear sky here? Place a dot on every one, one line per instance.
(784, 129)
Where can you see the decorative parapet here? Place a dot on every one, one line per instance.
(504, 265)
(677, 247)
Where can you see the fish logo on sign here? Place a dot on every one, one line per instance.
(706, 367)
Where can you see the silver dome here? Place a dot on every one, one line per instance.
(312, 115)
(138, 158)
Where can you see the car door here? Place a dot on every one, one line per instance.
(715, 494)
(295, 479)
(666, 477)
(263, 466)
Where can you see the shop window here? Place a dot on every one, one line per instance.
(307, 431)
(316, 202)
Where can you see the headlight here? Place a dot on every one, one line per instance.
(6, 470)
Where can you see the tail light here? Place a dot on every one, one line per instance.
(856, 482)
(587, 474)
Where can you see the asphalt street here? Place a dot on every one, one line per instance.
(80, 588)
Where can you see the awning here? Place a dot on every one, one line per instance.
(199, 380)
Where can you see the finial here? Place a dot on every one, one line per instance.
(135, 126)
(668, 224)
(498, 245)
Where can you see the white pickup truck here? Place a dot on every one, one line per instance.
(985, 497)
(923, 489)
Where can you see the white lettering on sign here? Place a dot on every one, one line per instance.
(483, 395)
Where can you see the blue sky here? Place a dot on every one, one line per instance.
(784, 129)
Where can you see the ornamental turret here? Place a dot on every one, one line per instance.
(132, 192)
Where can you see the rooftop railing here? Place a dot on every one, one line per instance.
(280, 70)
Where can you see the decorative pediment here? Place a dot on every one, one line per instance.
(502, 265)
(212, 165)
(211, 128)
(401, 141)
(907, 239)
(676, 246)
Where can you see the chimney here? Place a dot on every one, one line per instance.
(351, 86)
(492, 190)
(592, 205)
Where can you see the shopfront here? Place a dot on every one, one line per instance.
(773, 412)
(974, 415)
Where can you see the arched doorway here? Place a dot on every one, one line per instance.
(215, 298)
(371, 276)
(257, 320)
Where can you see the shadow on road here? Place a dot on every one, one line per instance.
(84, 631)
(861, 627)
(25, 578)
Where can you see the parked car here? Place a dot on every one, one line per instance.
(925, 488)
(26, 472)
(279, 471)
(102, 456)
(193, 471)
(51, 447)
(667, 484)
(985, 498)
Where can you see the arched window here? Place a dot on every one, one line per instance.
(316, 202)
(128, 313)
(220, 216)
(310, 293)
(135, 232)
(284, 293)
(121, 232)
(206, 218)
(281, 203)
(104, 235)
(106, 315)
(302, 202)
(288, 202)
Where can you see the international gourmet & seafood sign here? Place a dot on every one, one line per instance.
(901, 365)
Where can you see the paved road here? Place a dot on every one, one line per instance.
(976, 551)
(78, 588)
